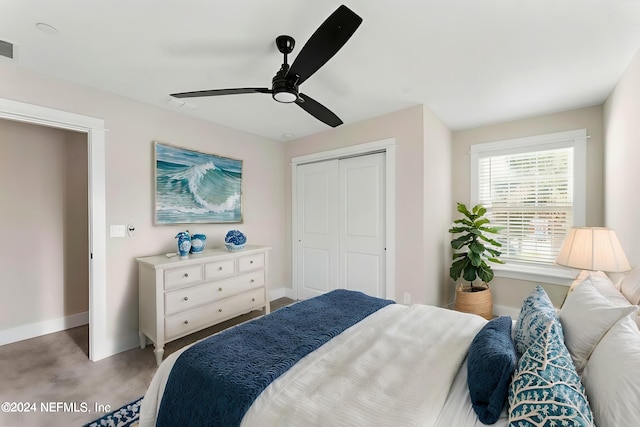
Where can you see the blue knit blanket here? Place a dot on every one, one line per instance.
(214, 382)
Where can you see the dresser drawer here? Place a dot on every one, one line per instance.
(182, 276)
(250, 262)
(238, 284)
(193, 320)
(219, 269)
(187, 298)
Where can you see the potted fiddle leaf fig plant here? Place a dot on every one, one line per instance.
(473, 249)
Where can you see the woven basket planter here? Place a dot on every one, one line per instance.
(475, 300)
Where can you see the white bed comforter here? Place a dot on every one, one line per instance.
(394, 368)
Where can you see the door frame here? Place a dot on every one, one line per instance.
(96, 138)
(388, 146)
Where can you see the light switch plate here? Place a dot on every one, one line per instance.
(117, 231)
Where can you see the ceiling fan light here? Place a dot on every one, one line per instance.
(285, 97)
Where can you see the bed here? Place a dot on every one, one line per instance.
(396, 365)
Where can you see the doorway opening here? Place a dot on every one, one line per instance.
(96, 258)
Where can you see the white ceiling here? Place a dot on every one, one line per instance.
(472, 62)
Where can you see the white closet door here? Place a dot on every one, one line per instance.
(317, 188)
(361, 224)
(341, 226)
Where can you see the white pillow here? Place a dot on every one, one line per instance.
(611, 376)
(586, 316)
(605, 286)
(630, 285)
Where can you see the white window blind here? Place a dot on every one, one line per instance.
(529, 189)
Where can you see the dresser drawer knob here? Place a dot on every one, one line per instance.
(186, 274)
(186, 322)
(186, 298)
(220, 268)
(252, 280)
(251, 262)
(253, 299)
(219, 289)
(220, 310)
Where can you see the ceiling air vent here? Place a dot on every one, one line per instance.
(7, 49)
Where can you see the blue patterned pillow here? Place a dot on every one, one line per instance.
(546, 389)
(536, 313)
(490, 364)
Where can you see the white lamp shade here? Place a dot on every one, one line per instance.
(593, 248)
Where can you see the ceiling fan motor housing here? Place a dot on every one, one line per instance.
(285, 88)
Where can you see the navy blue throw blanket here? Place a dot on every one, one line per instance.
(214, 382)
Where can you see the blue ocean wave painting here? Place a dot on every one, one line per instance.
(195, 187)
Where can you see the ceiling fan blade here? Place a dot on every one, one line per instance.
(325, 42)
(318, 110)
(215, 92)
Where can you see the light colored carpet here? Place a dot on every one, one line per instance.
(54, 370)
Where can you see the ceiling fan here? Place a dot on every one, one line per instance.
(321, 46)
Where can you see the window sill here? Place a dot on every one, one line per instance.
(554, 274)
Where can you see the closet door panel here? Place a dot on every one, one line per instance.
(317, 199)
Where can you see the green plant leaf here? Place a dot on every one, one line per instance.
(463, 210)
(455, 230)
(475, 258)
(494, 252)
(485, 273)
(490, 241)
(458, 267)
(480, 222)
(479, 210)
(477, 247)
(460, 241)
(470, 273)
(492, 230)
(496, 260)
(459, 255)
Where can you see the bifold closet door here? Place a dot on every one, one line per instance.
(341, 235)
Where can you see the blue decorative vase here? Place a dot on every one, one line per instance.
(235, 240)
(184, 244)
(197, 243)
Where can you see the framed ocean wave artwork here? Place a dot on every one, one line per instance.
(195, 187)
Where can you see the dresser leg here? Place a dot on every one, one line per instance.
(159, 351)
(143, 340)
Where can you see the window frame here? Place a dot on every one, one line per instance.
(577, 139)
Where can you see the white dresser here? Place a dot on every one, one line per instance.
(182, 296)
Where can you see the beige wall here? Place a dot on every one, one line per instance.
(417, 133)
(622, 155)
(511, 292)
(132, 126)
(44, 259)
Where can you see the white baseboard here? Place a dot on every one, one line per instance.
(32, 330)
(277, 293)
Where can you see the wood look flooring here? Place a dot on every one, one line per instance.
(54, 371)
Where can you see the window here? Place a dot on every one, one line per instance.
(534, 188)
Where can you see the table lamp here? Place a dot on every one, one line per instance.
(593, 248)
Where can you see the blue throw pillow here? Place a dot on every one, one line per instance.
(546, 389)
(491, 362)
(536, 313)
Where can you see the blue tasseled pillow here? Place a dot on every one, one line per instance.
(491, 362)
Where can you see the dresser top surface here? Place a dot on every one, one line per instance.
(208, 255)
